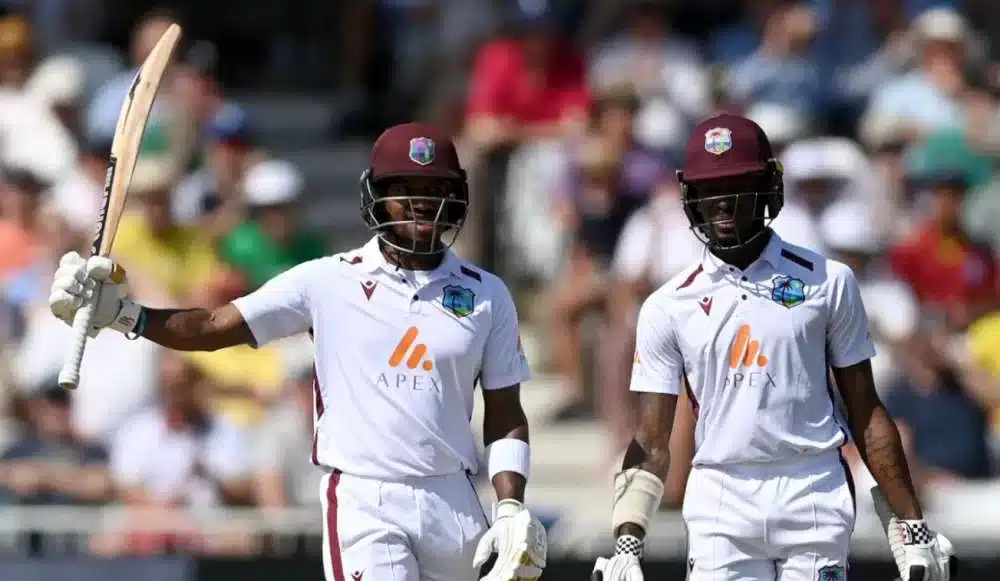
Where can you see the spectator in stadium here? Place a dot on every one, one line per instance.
(195, 97)
(49, 465)
(782, 70)
(57, 84)
(977, 357)
(818, 172)
(212, 196)
(528, 86)
(200, 461)
(527, 93)
(270, 241)
(286, 475)
(849, 234)
(167, 262)
(953, 276)
(658, 64)
(880, 47)
(945, 430)
(930, 97)
(103, 110)
(76, 198)
(21, 227)
(594, 211)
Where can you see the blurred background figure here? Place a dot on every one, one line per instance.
(49, 465)
(270, 240)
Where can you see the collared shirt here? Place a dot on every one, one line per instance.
(754, 347)
(398, 356)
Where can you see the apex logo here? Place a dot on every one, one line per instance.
(357, 575)
(706, 304)
(416, 356)
(745, 351)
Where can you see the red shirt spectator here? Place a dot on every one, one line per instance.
(505, 86)
(946, 271)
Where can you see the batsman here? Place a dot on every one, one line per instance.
(404, 331)
(753, 332)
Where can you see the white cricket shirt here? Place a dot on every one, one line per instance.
(755, 347)
(398, 355)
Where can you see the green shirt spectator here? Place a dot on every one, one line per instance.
(270, 242)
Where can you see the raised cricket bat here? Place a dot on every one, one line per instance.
(124, 152)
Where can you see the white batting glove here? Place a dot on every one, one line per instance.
(519, 541)
(624, 565)
(97, 281)
(927, 556)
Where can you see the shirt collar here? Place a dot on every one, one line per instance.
(711, 264)
(372, 261)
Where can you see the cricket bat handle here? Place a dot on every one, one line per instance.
(69, 376)
(888, 520)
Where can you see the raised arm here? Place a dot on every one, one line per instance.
(849, 350)
(195, 329)
(280, 308)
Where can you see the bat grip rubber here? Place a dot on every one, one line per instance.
(69, 376)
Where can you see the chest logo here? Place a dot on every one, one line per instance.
(417, 356)
(369, 287)
(745, 350)
(788, 292)
(459, 300)
(706, 304)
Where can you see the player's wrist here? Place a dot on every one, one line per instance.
(507, 507)
(631, 545)
(915, 532)
(128, 318)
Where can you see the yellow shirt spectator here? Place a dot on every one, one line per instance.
(244, 378)
(179, 260)
(175, 258)
(984, 344)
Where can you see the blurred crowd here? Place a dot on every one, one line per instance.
(571, 118)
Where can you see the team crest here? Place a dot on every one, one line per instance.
(459, 300)
(832, 573)
(718, 140)
(422, 150)
(788, 292)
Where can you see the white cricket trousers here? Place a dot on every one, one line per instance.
(419, 529)
(785, 521)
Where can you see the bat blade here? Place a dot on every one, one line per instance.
(129, 132)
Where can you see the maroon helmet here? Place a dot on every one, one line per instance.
(731, 182)
(403, 152)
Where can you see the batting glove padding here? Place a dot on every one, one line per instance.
(96, 280)
(519, 541)
(624, 565)
(926, 555)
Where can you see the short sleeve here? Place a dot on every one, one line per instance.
(848, 338)
(504, 361)
(631, 258)
(658, 365)
(281, 307)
